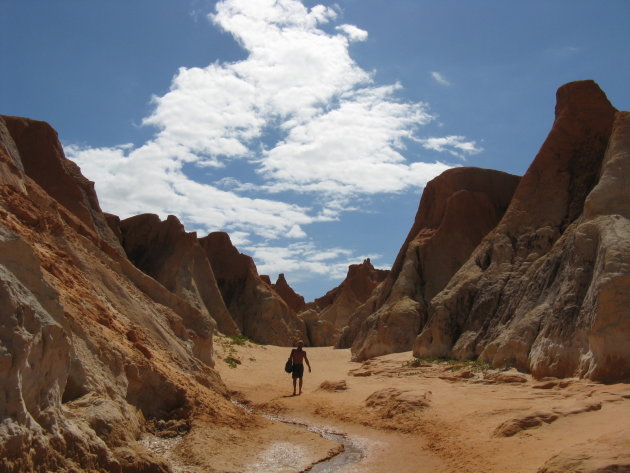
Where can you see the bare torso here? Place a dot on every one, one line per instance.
(298, 356)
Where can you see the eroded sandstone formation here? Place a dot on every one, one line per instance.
(456, 210)
(293, 299)
(94, 351)
(548, 290)
(90, 347)
(170, 255)
(259, 312)
(42, 159)
(327, 316)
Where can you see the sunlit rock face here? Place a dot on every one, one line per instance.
(548, 290)
(166, 252)
(259, 312)
(40, 155)
(90, 347)
(327, 316)
(457, 209)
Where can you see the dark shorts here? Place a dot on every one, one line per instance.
(298, 371)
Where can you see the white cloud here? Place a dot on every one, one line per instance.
(299, 261)
(440, 79)
(455, 145)
(296, 232)
(342, 137)
(353, 33)
(146, 181)
(353, 149)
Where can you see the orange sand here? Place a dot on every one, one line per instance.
(435, 417)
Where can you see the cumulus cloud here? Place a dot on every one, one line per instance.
(300, 261)
(352, 149)
(147, 180)
(440, 79)
(353, 33)
(455, 145)
(298, 112)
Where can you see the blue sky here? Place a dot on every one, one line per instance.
(306, 130)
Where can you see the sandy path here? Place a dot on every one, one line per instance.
(433, 417)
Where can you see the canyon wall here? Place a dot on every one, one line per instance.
(237, 298)
(170, 255)
(327, 316)
(457, 209)
(548, 290)
(293, 299)
(532, 273)
(93, 352)
(259, 312)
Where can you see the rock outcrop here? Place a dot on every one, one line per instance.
(90, 347)
(547, 290)
(607, 453)
(259, 312)
(173, 257)
(457, 209)
(293, 299)
(327, 316)
(42, 159)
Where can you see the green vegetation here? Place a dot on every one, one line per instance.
(476, 365)
(239, 340)
(418, 362)
(229, 344)
(231, 361)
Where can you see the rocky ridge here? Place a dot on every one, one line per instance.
(259, 312)
(183, 264)
(547, 290)
(91, 348)
(173, 257)
(95, 350)
(293, 299)
(456, 211)
(35, 149)
(327, 316)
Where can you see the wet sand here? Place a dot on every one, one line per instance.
(411, 417)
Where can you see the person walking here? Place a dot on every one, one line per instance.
(298, 357)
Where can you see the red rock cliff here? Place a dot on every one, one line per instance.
(293, 299)
(259, 312)
(329, 314)
(95, 347)
(547, 291)
(457, 209)
(167, 253)
(43, 161)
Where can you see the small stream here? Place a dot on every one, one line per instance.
(164, 447)
(350, 454)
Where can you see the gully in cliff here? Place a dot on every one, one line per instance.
(298, 357)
